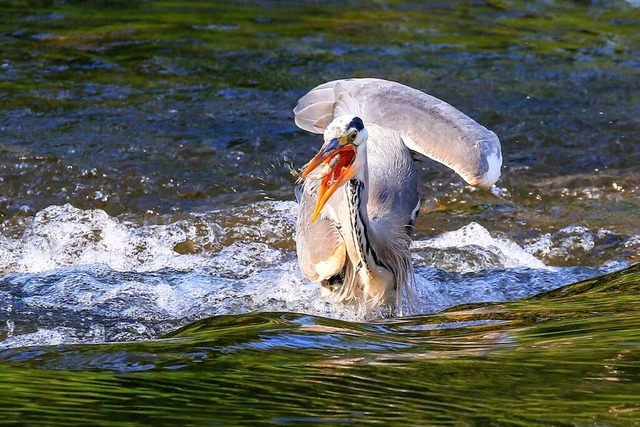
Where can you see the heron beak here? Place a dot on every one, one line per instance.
(337, 157)
(324, 153)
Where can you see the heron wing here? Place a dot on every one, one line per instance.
(426, 124)
(393, 199)
(393, 183)
(319, 244)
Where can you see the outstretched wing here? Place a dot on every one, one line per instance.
(426, 124)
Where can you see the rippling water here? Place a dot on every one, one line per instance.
(147, 217)
(565, 357)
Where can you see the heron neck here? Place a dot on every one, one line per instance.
(357, 198)
(362, 232)
(377, 277)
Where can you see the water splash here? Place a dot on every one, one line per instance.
(61, 236)
(77, 275)
(574, 243)
(472, 248)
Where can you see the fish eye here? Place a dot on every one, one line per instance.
(353, 135)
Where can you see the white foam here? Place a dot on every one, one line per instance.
(479, 250)
(568, 244)
(62, 236)
(82, 276)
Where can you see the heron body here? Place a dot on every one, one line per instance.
(358, 198)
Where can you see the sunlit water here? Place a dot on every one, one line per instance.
(147, 239)
(82, 276)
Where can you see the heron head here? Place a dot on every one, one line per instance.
(343, 139)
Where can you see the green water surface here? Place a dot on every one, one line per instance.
(567, 357)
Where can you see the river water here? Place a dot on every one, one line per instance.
(147, 256)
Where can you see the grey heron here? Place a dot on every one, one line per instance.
(358, 197)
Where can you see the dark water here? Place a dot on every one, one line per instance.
(143, 188)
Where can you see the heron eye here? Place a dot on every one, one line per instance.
(352, 136)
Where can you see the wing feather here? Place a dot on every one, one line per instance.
(319, 244)
(426, 124)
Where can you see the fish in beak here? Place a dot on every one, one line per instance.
(336, 158)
